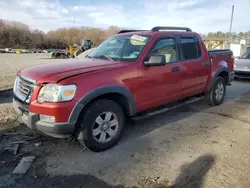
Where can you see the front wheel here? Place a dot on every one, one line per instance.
(217, 92)
(102, 125)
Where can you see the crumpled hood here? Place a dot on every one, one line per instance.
(242, 64)
(53, 72)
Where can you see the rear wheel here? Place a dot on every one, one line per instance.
(102, 125)
(216, 94)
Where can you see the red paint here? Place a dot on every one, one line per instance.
(150, 86)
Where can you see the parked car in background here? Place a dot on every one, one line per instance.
(12, 51)
(7, 50)
(130, 75)
(24, 51)
(242, 66)
(50, 50)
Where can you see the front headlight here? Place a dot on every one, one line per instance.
(56, 93)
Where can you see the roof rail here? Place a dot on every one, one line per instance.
(127, 31)
(170, 28)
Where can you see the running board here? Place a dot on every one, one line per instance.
(166, 108)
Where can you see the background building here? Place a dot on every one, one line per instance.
(238, 47)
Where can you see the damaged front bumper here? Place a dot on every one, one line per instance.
(33, 121)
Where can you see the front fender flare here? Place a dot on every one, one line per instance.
(88, 97)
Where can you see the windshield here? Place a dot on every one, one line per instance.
(245, 55)
(121, 47)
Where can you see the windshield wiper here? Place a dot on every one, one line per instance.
(105, 57)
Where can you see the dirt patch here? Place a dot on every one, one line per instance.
(27, 145)
(11, 63)
(37, 176)
(191, 175)
(184, 143)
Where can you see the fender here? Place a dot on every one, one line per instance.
(223, 68)
(88, 97)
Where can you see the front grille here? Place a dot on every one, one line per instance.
(23, 88)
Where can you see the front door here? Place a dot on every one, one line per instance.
(196, 65)
(160, 84)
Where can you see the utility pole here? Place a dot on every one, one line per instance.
(231, 23)
(74, 21)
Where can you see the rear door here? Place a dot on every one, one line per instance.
(160, 84)
(196, 65)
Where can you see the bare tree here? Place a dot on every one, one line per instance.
(19, 35)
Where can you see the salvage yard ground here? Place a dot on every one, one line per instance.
(194, 146)
(11, 63)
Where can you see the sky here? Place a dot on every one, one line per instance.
(202, 16)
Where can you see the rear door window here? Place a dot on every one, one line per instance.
(190, 48)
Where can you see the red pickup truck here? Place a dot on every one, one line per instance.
(130, 74)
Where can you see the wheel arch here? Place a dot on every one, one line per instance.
(223, 71)
(117, 93)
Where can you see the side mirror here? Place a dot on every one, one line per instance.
(156, 60)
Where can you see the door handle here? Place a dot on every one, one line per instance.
(175, 69)
(206, 63)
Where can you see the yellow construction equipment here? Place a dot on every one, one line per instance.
(73, 51)
(18, 51)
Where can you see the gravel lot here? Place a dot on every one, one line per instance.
(11, 63)
(195, 146)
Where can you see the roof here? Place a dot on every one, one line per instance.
(157, 33)
(158, 30)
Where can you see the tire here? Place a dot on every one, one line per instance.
(219, 86)
(93, 118)
(57, 56)
(62, 56)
